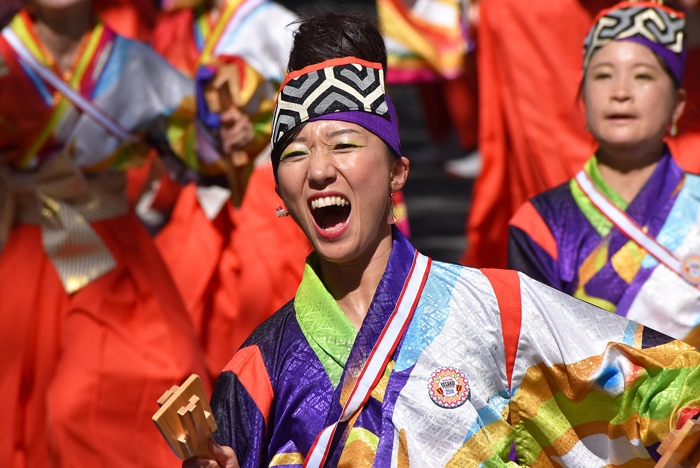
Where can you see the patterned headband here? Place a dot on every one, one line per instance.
(648, 23)
(347, 89)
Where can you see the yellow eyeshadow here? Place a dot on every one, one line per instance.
(292, 151)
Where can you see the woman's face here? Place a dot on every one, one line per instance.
(630, 99)
(335, 179)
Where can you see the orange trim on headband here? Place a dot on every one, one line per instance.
(647, 4)
(330, 63)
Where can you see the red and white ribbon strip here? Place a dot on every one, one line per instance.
(61, 86)
(627, 226)
(378, 358)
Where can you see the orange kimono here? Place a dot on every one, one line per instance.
(92, 327)
(531, 122)
(234, 270)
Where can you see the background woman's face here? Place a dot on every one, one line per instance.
(335, 178)
(630, 99)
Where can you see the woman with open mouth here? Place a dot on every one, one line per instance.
(623, 233)
(386, 358)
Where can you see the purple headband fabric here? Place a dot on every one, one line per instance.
(383, 128)
(674, 62)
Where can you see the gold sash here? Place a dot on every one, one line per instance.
(62, 200)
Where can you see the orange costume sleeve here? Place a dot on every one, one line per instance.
(87, 368)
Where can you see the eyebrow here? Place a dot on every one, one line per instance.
(335, 133)
(341, 132)
(636, 64)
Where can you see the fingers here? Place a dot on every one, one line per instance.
(225, 456)
(230, 116)
(197, 462)
(236, 130)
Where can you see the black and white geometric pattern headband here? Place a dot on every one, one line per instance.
(347, 86)
(649, 23)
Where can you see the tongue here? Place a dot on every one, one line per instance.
(331, 218)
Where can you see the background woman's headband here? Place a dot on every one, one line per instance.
(347, 89)
(648, 23)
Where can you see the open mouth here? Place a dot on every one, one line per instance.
(620, 117)
(330, 213)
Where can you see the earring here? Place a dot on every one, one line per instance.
(391, 219)
(281, 212)
(674, 129)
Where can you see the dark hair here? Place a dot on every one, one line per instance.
(330, 35)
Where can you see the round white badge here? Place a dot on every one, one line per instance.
(690, 268)
(448, 387)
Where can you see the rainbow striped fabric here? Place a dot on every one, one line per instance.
(255, 36)
(494, 369)
(425, 41)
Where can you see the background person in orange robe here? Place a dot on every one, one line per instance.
(92, 328)
(532, 133)
(233, 269)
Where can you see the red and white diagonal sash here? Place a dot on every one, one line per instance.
(62, 87)
(628, 227)
(378, 358)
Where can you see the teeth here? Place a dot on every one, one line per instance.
(328, 201)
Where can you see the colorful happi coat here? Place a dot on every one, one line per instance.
(46, 140)
(562, 239)
(37, 122)
(255, 36)
(562, 382)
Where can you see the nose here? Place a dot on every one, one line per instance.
(621, 89)
(322, 171)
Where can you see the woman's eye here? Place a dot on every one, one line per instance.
(344, 146)
(293, 154)
(601, 76)
(643, 76)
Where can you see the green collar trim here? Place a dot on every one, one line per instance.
(597, 219)
(325, 326)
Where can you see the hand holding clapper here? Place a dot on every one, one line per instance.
(185, 419)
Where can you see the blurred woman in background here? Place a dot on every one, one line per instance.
(623, 233)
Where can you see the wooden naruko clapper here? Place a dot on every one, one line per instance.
(681, 449)
(185, 419)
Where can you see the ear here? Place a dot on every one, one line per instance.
(681, 98)
(399, 173)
